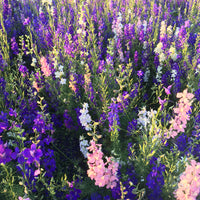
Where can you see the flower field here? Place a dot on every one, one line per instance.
(99, 99)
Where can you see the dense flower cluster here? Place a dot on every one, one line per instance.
(104, 174)
(83, 146)
(45, 67)
(155, 180)
(178, 124)
(189, 185)
(33, 155)
(113, 116)
(85, 118)
(130, 61)
(144, 117)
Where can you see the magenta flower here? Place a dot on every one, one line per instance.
(161, 102)
(167, 90)
(140, 73)
(3, 126)
(12, 112)
(6, 154)
(27, 21)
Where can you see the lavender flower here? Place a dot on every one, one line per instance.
(23, 69)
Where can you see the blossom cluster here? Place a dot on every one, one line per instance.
(144, 117)
(178, 124)
(83, 146)
(104, 174)
(189, 185)
(85, 118)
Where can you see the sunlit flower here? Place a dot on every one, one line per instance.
(45, 67)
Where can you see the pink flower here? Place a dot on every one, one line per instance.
(45, 67)
(37, 172)
(161, 102)
(189, 185)
(104, 174)
(178, 124)
(185, 95)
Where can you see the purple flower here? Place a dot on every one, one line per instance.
(155, 181)
(167, 90)
(3, 126)
(3, 121)
(49, 163)
(69, 124)
(140, 73)
(113, 116)
(162, 102)
(40, 124)
(74, 193)
(14, 46)
(136, 58)
(197, 94)
(23, 69)
(27, 21)
(132, 126)
(181, 142)
(32, 154)
(12, 112)
(6, 154)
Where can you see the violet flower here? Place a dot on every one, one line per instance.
(32, 154)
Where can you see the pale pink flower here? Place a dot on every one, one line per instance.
(35, 85)
(178, 124)
(45, 67)
(104, 174)
(189, 185)
(185, 95)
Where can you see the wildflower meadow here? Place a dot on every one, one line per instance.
(99, 99)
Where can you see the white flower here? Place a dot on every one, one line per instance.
(173, 75)
(173, 53)
(47, 1)
(83, 146)
(61, 68)
(146, 75)
(145, 117)
(86, 106)
(163, 29)
(79, 31)
(85, 118)
(176, 31)
(169, 31)
(145, 45)
(63, 81)
(34, 61)
(145, 25)
(162, 57)
(158, 49)
(159, 73)
(59, 74)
